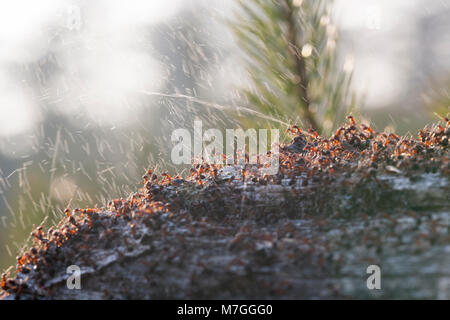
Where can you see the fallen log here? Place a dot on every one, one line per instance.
(337, 206)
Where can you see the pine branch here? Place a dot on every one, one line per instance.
(300, 67)
(290, 56)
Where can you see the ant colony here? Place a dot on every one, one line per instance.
(208, 147)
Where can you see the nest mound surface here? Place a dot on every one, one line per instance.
(336, 206)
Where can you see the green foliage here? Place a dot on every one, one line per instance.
(290, 52)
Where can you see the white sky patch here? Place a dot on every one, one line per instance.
(108, 61)
(18, 118)
(111, 79)
(105, 56)
(22, 28)
(381, 15)
(126, 12)
(17, 113)
(382, 80)
(381, 35)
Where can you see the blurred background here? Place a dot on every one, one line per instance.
(81, 110)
